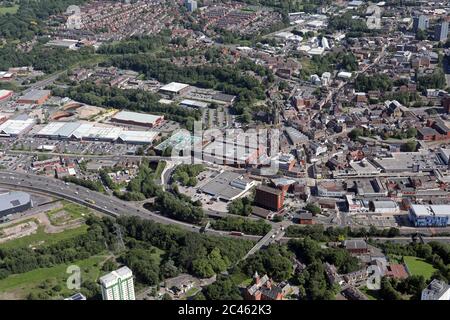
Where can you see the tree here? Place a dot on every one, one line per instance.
(166, 296)
(143, 264)
(380, 82)
(421, 34)
(90, 289)
(240, 206)
(315, 210)
(355, 133)
(186, 174)
(274, 261)
(110, 265)
(222, 289)
(410, 146)
(387, 291)
(202, 268)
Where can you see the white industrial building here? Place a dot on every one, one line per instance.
(12, 128)
(429, 215)
(88, 131)
(384, 206)
(136, 118)
(344, 75)
(137, 137)
(91, 131)
(174, 88)
(194, 104)
(63, 43)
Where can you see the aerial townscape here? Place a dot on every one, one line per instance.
(224, 150)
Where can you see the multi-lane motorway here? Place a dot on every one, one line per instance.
(103, 203)
(115, 207)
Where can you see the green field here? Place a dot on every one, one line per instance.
(12, 10)
(49, 280)
(41, 237)
(418, 266)
(73, 210)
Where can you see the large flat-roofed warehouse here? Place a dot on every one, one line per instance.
(35, 97)
(137, 137)
(421, 161)
(58, 130)
(227, 186)
(175, 88)
(194, 104)
(63, 43)
(138, 119)
(12, 202)
(5, 94)
(14, 127)
(239, 150)
(89, 131)
(429, 215)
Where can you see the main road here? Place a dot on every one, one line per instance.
(98, 201)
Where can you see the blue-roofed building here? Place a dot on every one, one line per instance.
(429, 215)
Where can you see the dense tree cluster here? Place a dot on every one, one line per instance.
(178, 208)
(312, 281)
(314, 209)
(229, 79)
(184, 252)
(135, 44)
(258, 227)
(436, 80)
(222, 78)
(46, 59)
(187, 174)
(241, 206)
(435, 253)
(364, 83)
(29, 19)
(134, 100)
(24, 259)
(275, 261)
(223, 289)
(395, 289)
(143, 185)
(175, 205)
(144, 264)
(355, 133)
(94, 185)
(107, 181)
(330, 62)
(319, 233)
(213, 263)
(189, 252)
(347, 23)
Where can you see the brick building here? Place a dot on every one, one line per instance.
(263, 289)
(269, 198)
